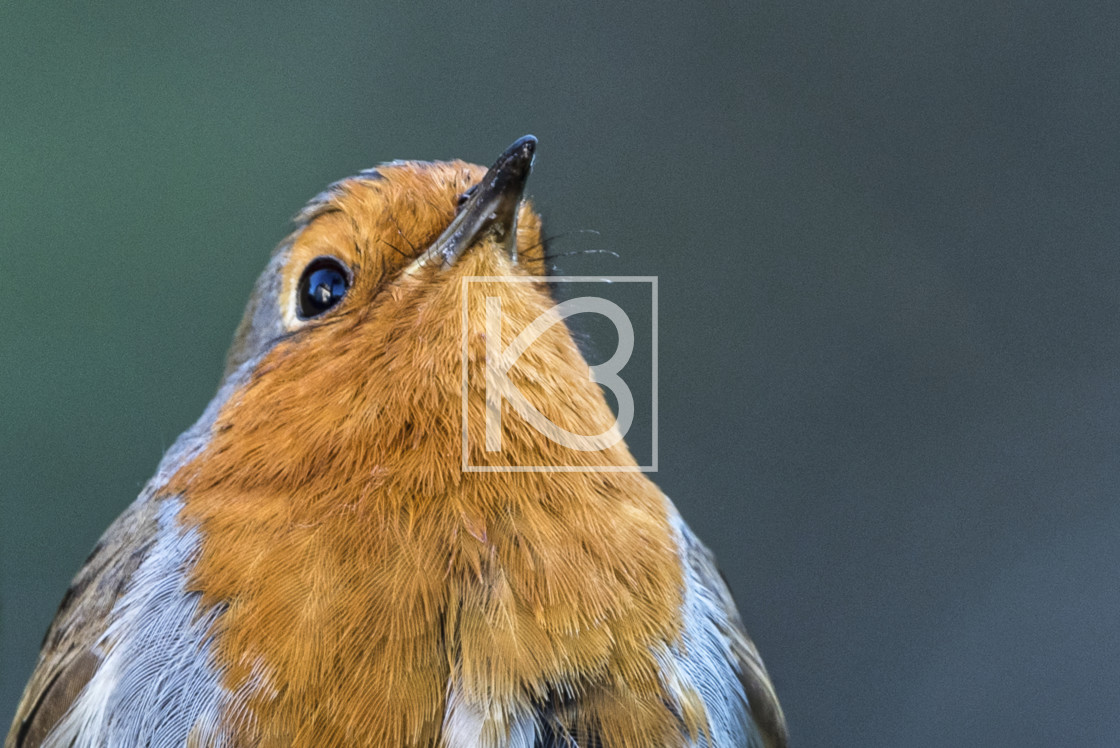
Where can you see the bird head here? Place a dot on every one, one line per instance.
(362, 356)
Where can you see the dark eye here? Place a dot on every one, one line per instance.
(323, 284)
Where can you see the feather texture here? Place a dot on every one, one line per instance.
(312, 567)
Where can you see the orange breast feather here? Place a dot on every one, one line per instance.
(364, 575)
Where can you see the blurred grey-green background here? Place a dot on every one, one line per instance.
(887, 242)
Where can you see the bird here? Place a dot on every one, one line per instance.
(313, 565)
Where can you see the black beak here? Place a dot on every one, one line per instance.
(491, 207)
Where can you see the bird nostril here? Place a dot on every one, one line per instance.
(463, 198)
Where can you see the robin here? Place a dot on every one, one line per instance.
(312, 566)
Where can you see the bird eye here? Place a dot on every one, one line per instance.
(323, 284)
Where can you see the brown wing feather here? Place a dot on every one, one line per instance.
(68, 658)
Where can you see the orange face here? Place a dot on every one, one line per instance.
(380, 225)
(364, 575)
